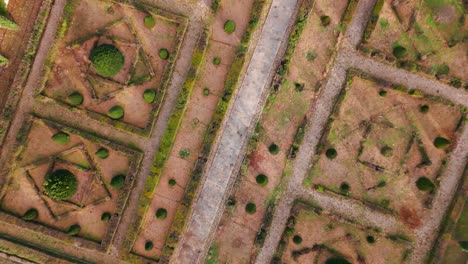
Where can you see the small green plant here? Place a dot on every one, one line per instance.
(344, 187)
(161, 214)
(149, 95)
(105, 217)
(384, 23)
(107, 60)
(289, 231)
(370, 239)
(424, 109)
(383, 93)
(30, 215)
(149, 21)
(325, 20)
(60, 185)
(311, 55)
(443, 69)
(102, 153)
(229, 26)
(206, 91)
(425, 184)
(273, 149)
(75, 98)
(3, 61)
(299, 87)
(441, 142)
(148, 245)
(164, 54)
(116, 112)
(216, 61)
(74, 230)
(297, 239)
(172, 182)
(251, 208)
(261, 180)
(184, 153)
(386, 151)
(61, 138)
(320, 188)
(118, 182)
(331, 153)
(399, 52)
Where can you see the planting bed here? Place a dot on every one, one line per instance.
(113, 61)
(279, 132)
(313, 235)
(421, 35)
(386, 146)
(68, 181)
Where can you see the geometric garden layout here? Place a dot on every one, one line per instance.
(233, 131)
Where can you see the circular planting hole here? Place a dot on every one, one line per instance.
(105, 217)
(75, 98)
(161, 213)
(386, 151)
(61, 138)
(102, 153)
(164, 54)
(331, 153)
(74, 230)
(261, 179)
(116, 112)
(424, 109)
(441, 142)
(337, 260)
(107, 60)
(149, 22)
(399, 52)
(229, 26)
(297, 239)
(344, 187)
(148, 245)
(206, 91)
(149, 95)
(251, 208)
(172, 182)
(370, 239)
(118, 182)
(425, 184)
(216, 61)
(273, 149)
(60, 185)
(30, 215)
(325, 20)
(383, 93)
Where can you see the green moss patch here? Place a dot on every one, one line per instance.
(229, 26)
(60, 185)
(107, 60)
(61, 138)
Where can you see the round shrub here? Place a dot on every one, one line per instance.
(161, 213)
(118, 182)
(149, 21)
(229, 26)
(344, 187)
(172, 182)
(102, 153)
(164, 54)
(74, 230)
(148, 245)
(297, 239)
(331, 153)
(424, 109)
(30, 215)
(383, 93)
(386, 151)
(216, 61)
(261, 179)
(273, 149)
(75, 98)
(251, 208)
(149, 95)
(399, 52)
(325, 20)
(61, 138)
(105, 217)
(370, 239)
(337, 260)
(107, 60)
(60, 185)
(206, 91)
(441, 142)
(116, 112)
(424, 184)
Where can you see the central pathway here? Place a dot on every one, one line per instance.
(244, 112)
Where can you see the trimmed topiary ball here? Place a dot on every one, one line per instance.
(425, 184)
(216, 61)
(105, 217)
(164, 54)
(149, 95)
(149, 22)
(261, 180)
(75, 98)
(399, 52)
(297, 239)
(251, 208)
(161, 213)
(148, 245)
(118, 182)
(441, 142)
(331, 153)
(74, 230)
(116, 112)
(107, 60)
(273, 149)
(102, 153)
(30, 215)
(60, 185)
(386, 151)
(61, 138)
(325, 20)
(229, 26)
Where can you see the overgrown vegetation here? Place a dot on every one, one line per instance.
(60, 185)
(107, 60)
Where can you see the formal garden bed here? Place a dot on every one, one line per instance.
(387, 146)
(313, 235)
(113, 61)
(422, 36)
(279, 132)
(68, 184)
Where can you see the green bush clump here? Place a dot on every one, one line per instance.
(107, 60)
(3, 61)
(443, 69)
(262, 179)
(102, 153)
(161, 213)
(425, 184)
(149, 95)
(74, 230)
(116, 112)
(273, 149)
(325, 20)
(344, 187)
(105, 217)
(60, 185)
(441, 142)
(297, 239)
(386, 151)
(149, 21)
(164, 54)
(337, 260)
(148, 245)
(172, 182)
(216, 61)
(251, 208)
(75, 98)
(118, 182)
(399, 52)
(229, 26)
(61, 138)
(463, 245)
(370, 239)
(331, 153)
(184, 153)
(289, 231)
(424, 109)
(30, 215)
(383, 93)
